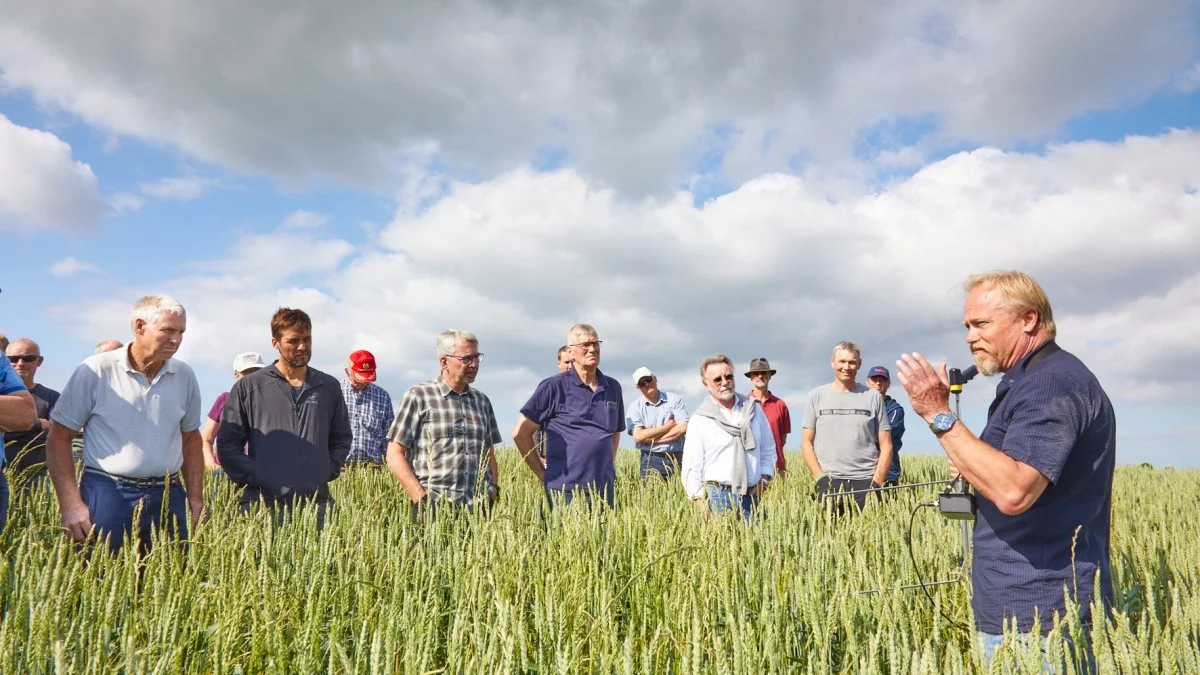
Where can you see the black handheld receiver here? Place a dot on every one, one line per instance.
(956, 502)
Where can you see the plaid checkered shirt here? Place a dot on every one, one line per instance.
(370, 416)
(445, 435)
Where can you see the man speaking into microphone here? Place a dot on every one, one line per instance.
(1042, 468)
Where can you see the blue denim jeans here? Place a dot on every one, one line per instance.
(662, 464)
(111, 502)
(3, 500)
(1085, 658)
(721, 499)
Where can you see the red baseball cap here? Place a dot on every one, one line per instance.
(362, 364)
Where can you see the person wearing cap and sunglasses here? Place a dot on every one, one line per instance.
(657, 421)
(846, 441)
(879, 379)
(370, 408)
(760, 374)
(25, 451)
(243, 364)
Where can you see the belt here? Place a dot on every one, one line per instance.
(156, 481)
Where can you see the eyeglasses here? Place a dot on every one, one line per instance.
(468, 359)
(719, 379)
(27, 358)
(644, 381)
(585, 346)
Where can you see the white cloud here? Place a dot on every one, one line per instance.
(776, 268)
(182, 188)
(42, 186)
(305, 220)
(123, 202)
(69, 267)
(626, 89)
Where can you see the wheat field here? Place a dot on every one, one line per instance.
(651, 587)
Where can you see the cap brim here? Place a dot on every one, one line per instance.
(750, 373)
(364, 377)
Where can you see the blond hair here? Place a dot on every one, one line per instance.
(1019, 293)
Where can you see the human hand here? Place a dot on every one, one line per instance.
(928, 389)
(77, 522)
(198, 511)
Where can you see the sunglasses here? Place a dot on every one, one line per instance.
(27, 358)
(644, 381)
(719, 379)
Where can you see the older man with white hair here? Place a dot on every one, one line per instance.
(582, 413)
(140, 410)
(441, 448)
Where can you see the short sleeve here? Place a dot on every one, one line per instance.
(540, 405)
(494, 436)
(680, 410)
(785, 419)
(634, 418)
(408, 419)
(620, 404)
(194, 410)
(1045, 425)
(10, 382)
(810, 411)
(78, 398)
(881, 418)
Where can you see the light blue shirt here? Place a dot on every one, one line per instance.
(647, 415)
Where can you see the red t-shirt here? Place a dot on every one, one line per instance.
(781, 425)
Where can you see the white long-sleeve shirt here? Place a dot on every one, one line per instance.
(708, 450)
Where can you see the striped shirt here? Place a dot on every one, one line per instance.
(370, 417)
(446, 436)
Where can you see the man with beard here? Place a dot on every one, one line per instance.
(846, 440)
(760, 374)
(1042, 469)
(445, 432)
(581, 412)
(729, 451)
(140, 410)
(285, 431)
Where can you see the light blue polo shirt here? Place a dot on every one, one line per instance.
(642, 413)
(132, 427)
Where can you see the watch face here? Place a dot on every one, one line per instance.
(943, 421)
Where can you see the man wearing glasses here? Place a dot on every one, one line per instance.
(25, 451)
(582, 414)
(729, 453)
(442, 441)
(657, 420)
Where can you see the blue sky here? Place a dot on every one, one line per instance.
(770, 190)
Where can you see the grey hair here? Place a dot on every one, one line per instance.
(448, 340)
(107, 346)
(849, 346)
(151, 308)
(579, 330)
(710, 360)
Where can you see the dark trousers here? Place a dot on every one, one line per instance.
(111, 503)
(828, 490)
(661, 464)
(282, 508)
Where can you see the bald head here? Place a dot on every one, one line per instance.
(108, 346)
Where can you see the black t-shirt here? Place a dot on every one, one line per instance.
(24, 449)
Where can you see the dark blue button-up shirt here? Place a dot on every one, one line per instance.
(1051, 414)
(579, 425)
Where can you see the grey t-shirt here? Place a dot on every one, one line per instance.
(847, 425)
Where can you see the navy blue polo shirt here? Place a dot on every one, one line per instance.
(579, 425)
(1051, 414)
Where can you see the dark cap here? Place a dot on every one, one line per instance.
(879, 371)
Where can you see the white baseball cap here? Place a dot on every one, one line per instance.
(640, 373)
(247, 361)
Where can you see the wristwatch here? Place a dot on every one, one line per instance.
(942, 422)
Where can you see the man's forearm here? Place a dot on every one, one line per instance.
(810, 459)
(17, 411)
(674, 433)
(885, 458)
(1004, 481)
(523, 438)
(61, 466)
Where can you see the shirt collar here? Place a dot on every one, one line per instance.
(1046, 349)
(444, 389)
(600, 379)
(168, 367)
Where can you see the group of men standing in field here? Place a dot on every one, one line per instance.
(1042, 468)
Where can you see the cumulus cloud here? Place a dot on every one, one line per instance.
(183, 188)
(42, 186)
(774, 268)
(627, 90)
(69, 267)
